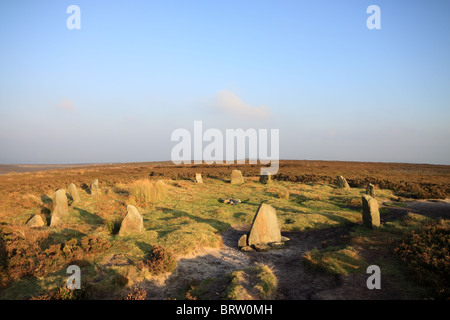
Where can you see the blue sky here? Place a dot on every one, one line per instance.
(116, 89)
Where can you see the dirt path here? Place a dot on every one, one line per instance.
(295, 282)
(431, 208)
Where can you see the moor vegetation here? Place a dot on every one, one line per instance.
(182, 217)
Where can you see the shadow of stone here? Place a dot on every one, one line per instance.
(47, 214)
(238, 215)
(70, 200)
(144, 247)
(254, 204)
(85, 188)
(289, 210)
(341, 220)
(121, 192)
(215, 177)
(216, 224)
(62, 235)
(88, 217)
(46, 199)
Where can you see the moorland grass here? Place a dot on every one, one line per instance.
(179, 215)
(257, 282)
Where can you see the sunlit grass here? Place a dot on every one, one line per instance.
(181, 216)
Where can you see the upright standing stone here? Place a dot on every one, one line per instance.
(369, 190)
(94, 187)
(60, 208)
(342, 183)
(265, 227)
(265, 178)
(236, 177)
(74, 192)
(198, 178)
(133, 222)
(370, 214)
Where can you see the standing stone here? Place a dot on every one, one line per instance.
(369, 190)
(236, 177)
(133, 222)
(370, 214)
(198, 178)
(265, 178)
(265, 227)
(74, 192)
(94, 187)
(60, 207)
(342, 183)
(36, 221)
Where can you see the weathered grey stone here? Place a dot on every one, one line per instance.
(243, 241)
(342, 183)
(265, 227)
(36, 221)
(370, 214)
(94, 187)
(72, 189)
(198, 178)
(369, 190)
(60, 208)
(265, 178)
(236, 177)
(133, 222)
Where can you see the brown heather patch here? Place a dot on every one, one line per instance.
(32, 252)
(160, 260)
(417, 180)
(426, 253)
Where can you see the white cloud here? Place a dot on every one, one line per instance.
(229, 103)
(67, 105)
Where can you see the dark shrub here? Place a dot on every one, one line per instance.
(426, 253)
(161, 260)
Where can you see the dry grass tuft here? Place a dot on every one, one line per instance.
(147, 192)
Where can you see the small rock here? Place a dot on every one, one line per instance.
(243, 241)
(284, 239)
(35, 222)
(247, 249)
(261, 247)
(277, 245)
